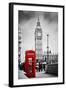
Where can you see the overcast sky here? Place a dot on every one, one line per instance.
(27, 21)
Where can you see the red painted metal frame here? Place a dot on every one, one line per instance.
(30, 54)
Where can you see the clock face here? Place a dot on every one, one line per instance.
(39, 34)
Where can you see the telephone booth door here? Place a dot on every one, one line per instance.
(30, 63)
(30, 66)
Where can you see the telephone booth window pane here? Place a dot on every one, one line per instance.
(30, 61)
(30, 64)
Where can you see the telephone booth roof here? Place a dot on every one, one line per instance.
(28, 51)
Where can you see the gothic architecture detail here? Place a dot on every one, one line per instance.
(38, 42)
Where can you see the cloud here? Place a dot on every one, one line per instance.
(51, 17)
(25, 15)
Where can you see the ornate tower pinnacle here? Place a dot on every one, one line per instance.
(38, 22)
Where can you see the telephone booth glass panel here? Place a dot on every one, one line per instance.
(30, 64)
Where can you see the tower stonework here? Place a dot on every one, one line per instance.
(38, 42)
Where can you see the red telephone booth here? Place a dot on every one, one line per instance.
(30, 63)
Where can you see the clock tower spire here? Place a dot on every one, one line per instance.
(38, 41)
(38, 23)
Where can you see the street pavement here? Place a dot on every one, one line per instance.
(21, 75)
(42, 74)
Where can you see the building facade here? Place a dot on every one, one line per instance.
(38, 42)
(19, 45)
(53, 58)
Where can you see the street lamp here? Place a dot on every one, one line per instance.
(47, 48)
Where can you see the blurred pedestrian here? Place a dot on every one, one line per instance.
(40, 66)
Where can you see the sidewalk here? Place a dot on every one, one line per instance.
(21, 75)
(43, 75)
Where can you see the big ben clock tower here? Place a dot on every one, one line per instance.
(38, 42)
